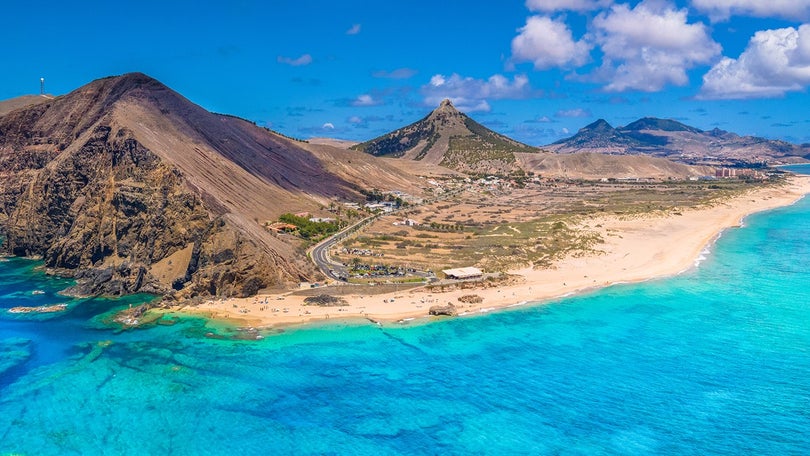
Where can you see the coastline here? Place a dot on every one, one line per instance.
(636, 248)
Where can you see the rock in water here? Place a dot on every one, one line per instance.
(449, 310)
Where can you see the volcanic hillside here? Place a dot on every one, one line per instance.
(449, 138)
(128, 186)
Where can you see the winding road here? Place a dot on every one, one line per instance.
(320, 253)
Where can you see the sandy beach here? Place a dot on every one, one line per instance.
(636, 249)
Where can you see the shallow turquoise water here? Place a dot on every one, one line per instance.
(715, 361)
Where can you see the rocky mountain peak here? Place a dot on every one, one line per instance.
(445, 109)
(111, 89)
(653, 123)
(599, 125)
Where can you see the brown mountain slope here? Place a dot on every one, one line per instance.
(449, 138)
(129, 186)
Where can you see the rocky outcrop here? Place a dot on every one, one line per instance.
(448, 310)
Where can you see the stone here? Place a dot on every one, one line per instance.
(448, 310)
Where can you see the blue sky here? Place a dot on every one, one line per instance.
(536, 70)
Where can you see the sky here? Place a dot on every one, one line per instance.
(535, 70)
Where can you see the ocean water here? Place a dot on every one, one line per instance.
(714, 361)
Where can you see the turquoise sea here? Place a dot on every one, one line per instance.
(714, 361)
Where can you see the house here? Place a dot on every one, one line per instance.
(406, 222)
(379, 206)
(279, 227)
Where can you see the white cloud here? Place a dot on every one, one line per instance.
(365, 100)
(570, 5)
(328, 126)
(720, 10)
(354, 30)
(305, 59)
(649, 46)
(774, 62)
(548, 43)
(578, 112)
(355, 120)
(470, 94)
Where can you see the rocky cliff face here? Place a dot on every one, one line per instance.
(79, 189)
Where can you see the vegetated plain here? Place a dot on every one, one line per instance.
(509, 225)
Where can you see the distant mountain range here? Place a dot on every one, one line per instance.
(674, 140)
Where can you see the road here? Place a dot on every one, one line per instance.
(320, 253)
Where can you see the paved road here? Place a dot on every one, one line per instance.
(320, 253)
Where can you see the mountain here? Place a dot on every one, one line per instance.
(128, 186)
(598, 135)
(449, 138)
(672, 139)
(652, 123)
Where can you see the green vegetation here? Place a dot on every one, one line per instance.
(375, 195)
(311, 231)
(537, 242)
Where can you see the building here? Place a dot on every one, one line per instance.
(406, 222)
(726, 173)
(279, 227)
(463, 273)
(379, 207)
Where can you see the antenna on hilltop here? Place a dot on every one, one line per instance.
(42, 86)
